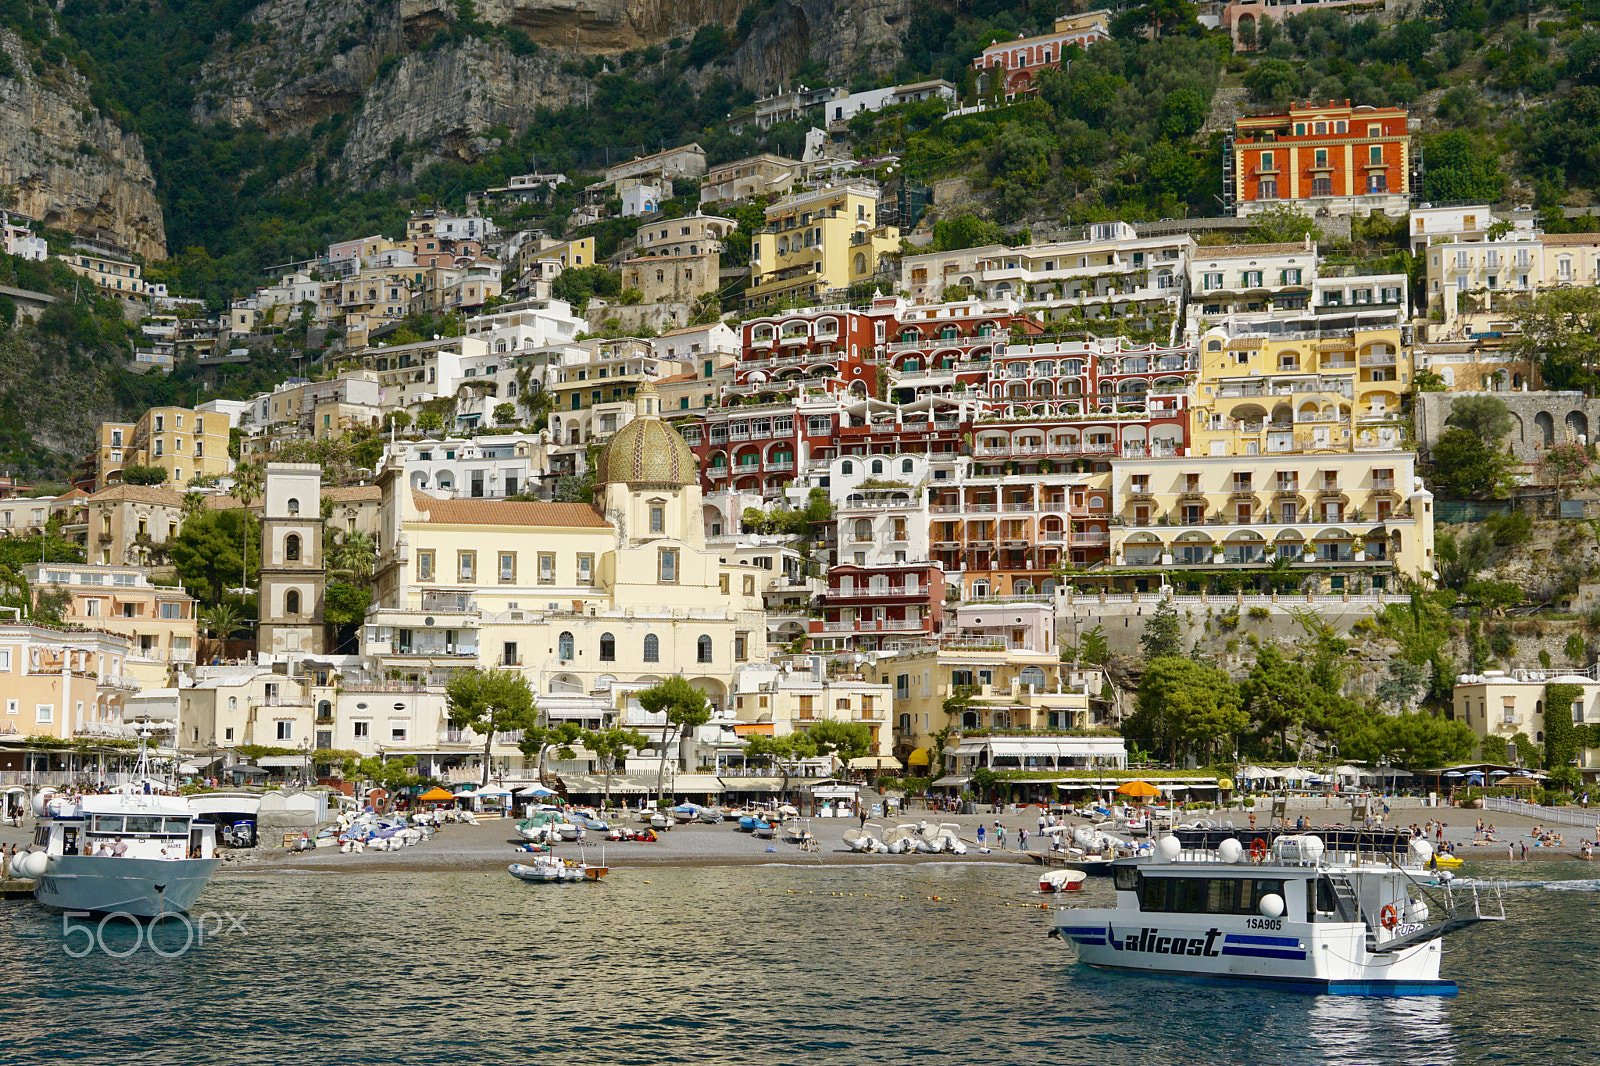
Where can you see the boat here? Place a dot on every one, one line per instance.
(765, 829)
(685, 813)
(134, 853)
(548, 868)
(747, 823)
(710, 816)
(1346, 913)
(1061, 880)
(1444, 862)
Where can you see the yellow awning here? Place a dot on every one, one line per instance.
(918, 758)
(746, 729)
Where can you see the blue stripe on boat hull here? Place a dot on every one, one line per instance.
(1299, 984)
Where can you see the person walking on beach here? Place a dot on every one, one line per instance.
(1524, 851)
(1511, 852)
(999, 834)
(1022, 839)
(980, 834)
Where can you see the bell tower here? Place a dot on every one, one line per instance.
(292, 574)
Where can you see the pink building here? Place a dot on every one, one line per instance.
(1006, 68)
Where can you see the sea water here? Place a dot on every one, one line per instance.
(933, 963)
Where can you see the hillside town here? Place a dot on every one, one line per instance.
(900, 483)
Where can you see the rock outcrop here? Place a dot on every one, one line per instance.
(68, 165)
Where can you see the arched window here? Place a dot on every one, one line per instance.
(294, 505)
(863, 529)
(291, 602)
(324, 709)
(877, 466)
(905, 466)
(564, 646)
(1032, 675)
(608, 648)
(703, 650)
(969, 720)
(291, 547)
(652, 648)
(847, 467)
(233, 703)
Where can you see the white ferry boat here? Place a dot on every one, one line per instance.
(1349, 912)
(123, 853)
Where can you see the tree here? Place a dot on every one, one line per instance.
(1278, 693)
(354, 555)
(216, 551)
(489, 702)
(843, 740)
(51, 604)
(1485, 417)
(1163, 633)
(1563, 465)
(1271, 81)
(249, 480)
(612, 744)
(1162, 15)
(220, 620)
(430, 421)
(1281, 224)
(144, 475)
(1459, 168)
(1404, 685)
(1185, 705)
(1559, 332)
(1183, 112)
(505, 413)
(537, 740)
(1465, 466)
(1417, 740)
(785, 752)
(964, 231)
(685, 707)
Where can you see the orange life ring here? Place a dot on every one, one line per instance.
(1388, 917)
(1258, 849)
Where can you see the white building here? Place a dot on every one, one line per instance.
(486, 467)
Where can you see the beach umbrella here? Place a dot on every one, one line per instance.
(535, 790)
(436, 795)
(1454, 773)
(1138, 788)
(1500, 773)
(494, 790)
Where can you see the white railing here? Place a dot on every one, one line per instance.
(1560, 815)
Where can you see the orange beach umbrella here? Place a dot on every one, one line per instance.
(1139, 788)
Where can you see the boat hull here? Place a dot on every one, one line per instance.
(1322, 958)
(142, 888)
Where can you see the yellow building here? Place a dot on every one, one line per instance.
(58, 684)
(816, 243)
(1269, 394)
(1502, 704)
(1344, 518)
(114, 274)
(183, 442)
(158, 620)
(578, 597)
(1010, 685)
(128, 524)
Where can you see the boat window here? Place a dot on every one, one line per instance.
(108, 823)
(175, 826)
(1127, 878)
(138, 823)
(1205, 895)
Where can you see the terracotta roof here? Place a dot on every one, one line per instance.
(674, 377)
(509, 513)
(73, 494)
(1571, 238)
(139, 494)
(1242, 251)
(222, 503)
(352, 493)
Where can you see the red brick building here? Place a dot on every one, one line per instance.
(1322, 157)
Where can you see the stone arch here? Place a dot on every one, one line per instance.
(1577, 426)
(1518, 431)
(1546, 427)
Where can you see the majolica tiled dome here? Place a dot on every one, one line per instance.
(646, 450)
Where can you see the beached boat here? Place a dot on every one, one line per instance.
(710, 816)
(747, 823)
(765, 829)
(124, 853)
(551, 869)
(1345, 913)
(684, 813)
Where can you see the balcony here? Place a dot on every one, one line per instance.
(436, 651)
(882, 592)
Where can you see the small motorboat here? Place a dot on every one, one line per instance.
(710, 816)
(1061, 880)
(685, 813)
(765, 829)
(747, 823)
(546, 869)
(1443, 862)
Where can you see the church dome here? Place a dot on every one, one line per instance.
(646, 450)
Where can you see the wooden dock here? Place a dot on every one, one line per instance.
(16, 888)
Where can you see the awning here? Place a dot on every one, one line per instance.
(697, 783)
(875, 762)
(272, 762)
(596, 784)
(754, 784)
(750, 729)
(1036, 746)
(835, 792)
(920, 757)
(951, 781)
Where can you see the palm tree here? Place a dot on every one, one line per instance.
(354, 555)
(221, 620)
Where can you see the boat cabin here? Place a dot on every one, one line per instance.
(125, 826)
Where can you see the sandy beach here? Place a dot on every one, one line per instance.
(491, 844)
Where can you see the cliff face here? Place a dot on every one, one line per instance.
(68, 165)
(305, 60)
(449, 97)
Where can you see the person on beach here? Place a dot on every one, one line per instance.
(1022, 839)
(980, 834)
(863, 817)
(999, 834)
(1524, 851)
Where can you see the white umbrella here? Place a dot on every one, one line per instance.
(494, 790)
(535, 790)
(1294, 773)
(188, 768)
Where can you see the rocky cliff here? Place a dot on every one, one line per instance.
(68, 165)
